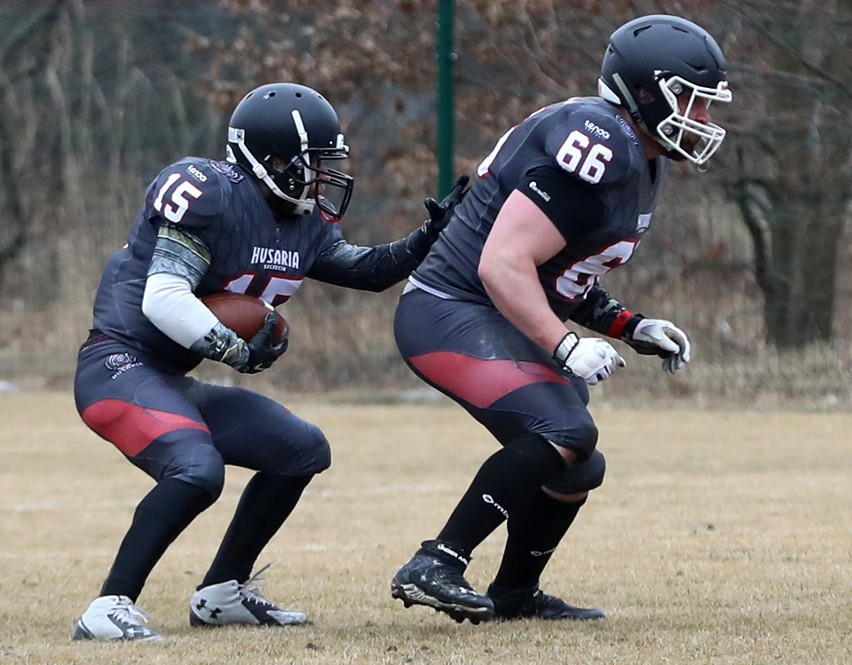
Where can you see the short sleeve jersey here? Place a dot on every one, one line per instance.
(561, 157)
(250, 251)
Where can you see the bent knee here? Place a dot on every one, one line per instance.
(305, 455)
(586, 435)
(205, 469)
(580, 478)
(319, 452)
(581, 437)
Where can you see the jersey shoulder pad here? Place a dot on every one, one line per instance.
(592, 142)
(191, 193)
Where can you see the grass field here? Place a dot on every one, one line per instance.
(718, 537)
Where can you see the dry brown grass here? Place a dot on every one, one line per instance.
(719, 537)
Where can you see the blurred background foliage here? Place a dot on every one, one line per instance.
(753, 258)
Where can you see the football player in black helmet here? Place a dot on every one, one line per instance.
(259, 223)
(283, 133)
(666, 71)
(565, 196)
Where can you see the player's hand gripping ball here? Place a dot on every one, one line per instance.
(245, 315)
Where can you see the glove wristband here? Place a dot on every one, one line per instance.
(565, 347)
(629, 326)
(616, 330)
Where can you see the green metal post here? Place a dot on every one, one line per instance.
(446, 112)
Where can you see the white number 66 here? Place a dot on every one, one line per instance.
(576, 152)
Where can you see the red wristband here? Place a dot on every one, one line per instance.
(617, 327)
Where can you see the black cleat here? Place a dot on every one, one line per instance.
(434, 577)
(532, 603)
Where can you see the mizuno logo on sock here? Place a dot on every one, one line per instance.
(491, 502)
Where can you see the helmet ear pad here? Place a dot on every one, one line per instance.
(292, 179)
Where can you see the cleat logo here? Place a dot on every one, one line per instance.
(452, 553)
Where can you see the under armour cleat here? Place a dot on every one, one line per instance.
(111, 618)
(434, 577)
(232, 603)
(533, 603)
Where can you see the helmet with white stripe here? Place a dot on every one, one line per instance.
(284, 133)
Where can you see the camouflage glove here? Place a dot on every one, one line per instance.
(261, 351)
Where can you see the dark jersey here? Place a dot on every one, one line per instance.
(582, 164)
(249, 252)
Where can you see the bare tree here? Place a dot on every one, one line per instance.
(24, 54)
(793, 167)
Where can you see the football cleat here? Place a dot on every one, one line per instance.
(232, 603)
(533, 603)
(114, 618)
(432, 579)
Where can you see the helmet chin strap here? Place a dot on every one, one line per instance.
(236, 136)
(627, 98)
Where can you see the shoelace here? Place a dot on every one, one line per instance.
(128, 613)
(252, 593)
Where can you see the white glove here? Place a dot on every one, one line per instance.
(663, 338)
(590, 358)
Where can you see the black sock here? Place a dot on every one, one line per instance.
(159, 518)
(265, 504)
(506, 479)
(535, 530)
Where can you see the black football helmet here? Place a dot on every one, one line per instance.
(297, 125)
(653, 60)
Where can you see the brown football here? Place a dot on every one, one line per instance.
(245, 314)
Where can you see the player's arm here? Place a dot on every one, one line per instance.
(604, 314)
(180, 261)
(650, 337)
(523, 237)
(380, 267)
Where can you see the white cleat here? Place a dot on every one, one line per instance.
(231, 603)
(111, 618)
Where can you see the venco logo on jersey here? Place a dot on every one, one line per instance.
(592, 128)
(276, 259)
(195, 173)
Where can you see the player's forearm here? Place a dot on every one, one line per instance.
(371, 268)
(604, 314)
(170, 304)
(515, 290)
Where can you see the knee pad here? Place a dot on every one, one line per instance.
(534, 445)
(580, 477)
